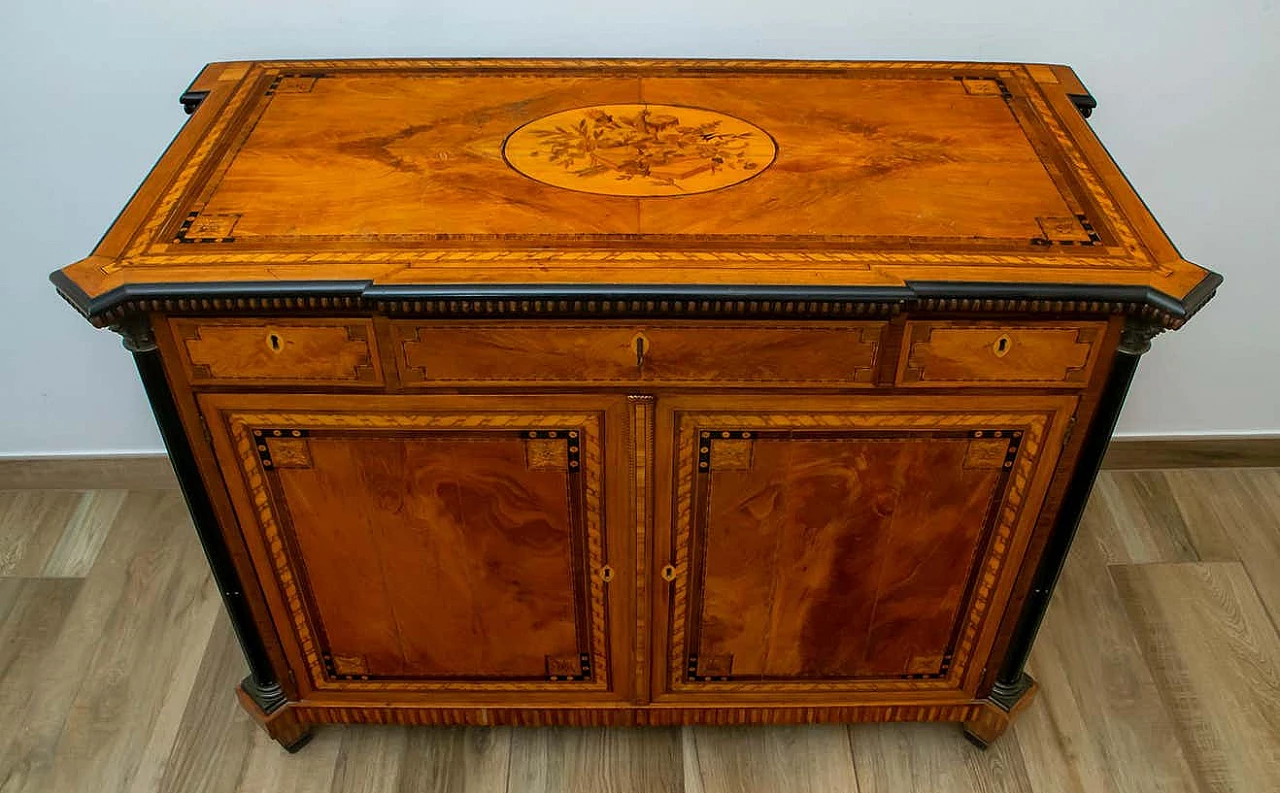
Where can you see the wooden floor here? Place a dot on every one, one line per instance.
(1159, 666)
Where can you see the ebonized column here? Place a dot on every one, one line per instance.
(261, 684)
(1012, 682)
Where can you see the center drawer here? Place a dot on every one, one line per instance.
(457, 353)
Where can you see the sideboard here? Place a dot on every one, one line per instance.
(629, 392)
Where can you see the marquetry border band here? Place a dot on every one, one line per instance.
(250, 431)
(1025, 433)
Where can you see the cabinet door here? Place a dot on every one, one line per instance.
(842, 545)
(416, 544)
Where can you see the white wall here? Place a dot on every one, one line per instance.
(88, 92)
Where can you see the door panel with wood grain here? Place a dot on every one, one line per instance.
(453, 547)
(837, 546)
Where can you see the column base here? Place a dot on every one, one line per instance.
(999, 710)
(282, 723)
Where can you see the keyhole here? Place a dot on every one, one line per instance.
(275, 342)
(1001, 347)
(641, 345)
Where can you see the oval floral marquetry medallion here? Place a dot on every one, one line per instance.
(639, 150)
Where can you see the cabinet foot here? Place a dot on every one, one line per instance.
(998, 712)
(282, 723)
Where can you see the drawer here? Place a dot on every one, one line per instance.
(1060, 354)
(261, 352)
(814, 354)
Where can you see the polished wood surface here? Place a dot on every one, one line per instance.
(153, 471)
(635, 392)
(343, 501)
(636, 172)
(431, 544)
(716, 493)
(260, 352)
(816, 549)
(967, 354)
(641, 150)
(637, 353)
(1158, 717)
(848, 551)
(385, 526)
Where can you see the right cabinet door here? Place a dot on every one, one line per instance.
(818, 546)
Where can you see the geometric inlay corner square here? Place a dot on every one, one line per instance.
(546, 454)
(289, 452)
(350, 665)
(219, 226)
(986, 453)
(715, 665)
(981, 86)
(925, 665)
(295, 85)
(1063, 229)
(731, 454)
(564, 666)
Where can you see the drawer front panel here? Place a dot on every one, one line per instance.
(990, 354)
(261, 352)
(819, 354)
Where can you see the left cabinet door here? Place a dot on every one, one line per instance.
(447, 544)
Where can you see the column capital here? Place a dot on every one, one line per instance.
(136, 334)
(1136, 337)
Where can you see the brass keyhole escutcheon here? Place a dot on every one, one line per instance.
(1002, 345)
(669, 573)
(274, 342)
(640, 343)
(606, 574)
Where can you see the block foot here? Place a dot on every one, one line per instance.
(998, 712)
(282, 723)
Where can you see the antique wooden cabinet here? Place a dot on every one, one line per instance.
(635, 392)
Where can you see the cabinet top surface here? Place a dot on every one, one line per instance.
(410, 175)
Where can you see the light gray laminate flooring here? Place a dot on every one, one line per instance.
(1159, 665)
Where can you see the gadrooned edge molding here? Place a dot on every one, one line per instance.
(631, 300)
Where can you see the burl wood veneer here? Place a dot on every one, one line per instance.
(635, 392)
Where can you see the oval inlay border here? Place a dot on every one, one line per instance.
(640, 150)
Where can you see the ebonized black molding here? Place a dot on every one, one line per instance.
(94, 306)
(1085, 103)
(936, 296)
(1179, 309)
(191, 100)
